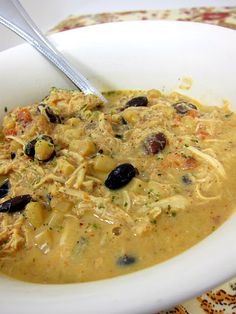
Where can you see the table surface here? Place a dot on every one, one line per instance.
(59, 15)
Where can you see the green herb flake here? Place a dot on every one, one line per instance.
(228, 115)
(59, 228)
(185, 156)
(173, 214)
(125, 204)
(95, 226)
(110, 93)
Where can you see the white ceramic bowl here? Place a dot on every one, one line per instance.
(130, 55)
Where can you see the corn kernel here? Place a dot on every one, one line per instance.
(104, 163)
(65, 167)
(73, 121)
(43, 149)
(116, 118)
(34, 212)
(131, 116)
(73, 134)
(61, 205)
(83, 147)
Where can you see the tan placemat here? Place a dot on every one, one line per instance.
(221, 300)
(224, 16)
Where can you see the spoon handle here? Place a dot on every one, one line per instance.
(14, 16)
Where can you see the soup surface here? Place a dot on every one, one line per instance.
(91, 191)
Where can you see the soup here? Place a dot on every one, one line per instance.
(91, 191)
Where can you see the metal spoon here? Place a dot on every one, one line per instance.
(14, 16)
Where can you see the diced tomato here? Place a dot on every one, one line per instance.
(193, 113)
(189, 163)
(203, 134)
(177, 121)
(10, 132)
(179, 162)
(109, 119)
(24, 116)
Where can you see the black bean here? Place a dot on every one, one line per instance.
(186, 180)
(52, 117)
(119, 136)
(30, 148)
(120, 176)
(126, 260)
(140, 101)
(155, 143)
(183, 107)
(4, 188)
(13, 155)
(15, 204)
(123, 121)
(116, 231)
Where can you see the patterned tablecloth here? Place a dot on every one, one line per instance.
(221, 300)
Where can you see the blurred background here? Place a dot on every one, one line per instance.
(48, 13)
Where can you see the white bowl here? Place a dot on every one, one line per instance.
(130, 55)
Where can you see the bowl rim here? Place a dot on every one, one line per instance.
(106, 293)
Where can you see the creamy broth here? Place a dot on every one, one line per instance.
(92, 191)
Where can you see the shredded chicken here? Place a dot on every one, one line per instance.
(209, 159)
(11, 235)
